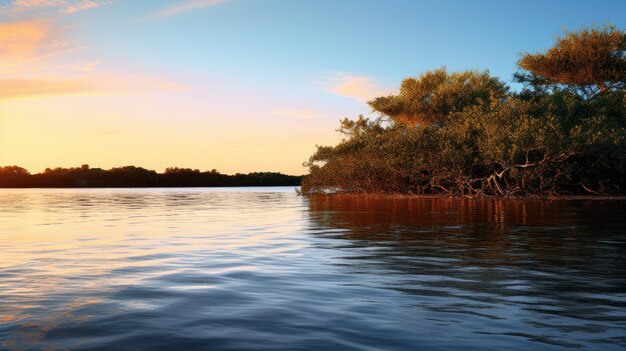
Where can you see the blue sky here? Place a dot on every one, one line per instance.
(387, 39)
(238, 85)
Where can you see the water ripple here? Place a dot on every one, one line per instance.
(264, 269)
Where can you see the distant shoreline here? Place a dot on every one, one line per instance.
(138, 177)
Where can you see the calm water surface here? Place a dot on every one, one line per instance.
(233, 269)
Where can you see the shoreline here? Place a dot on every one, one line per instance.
(464, 197)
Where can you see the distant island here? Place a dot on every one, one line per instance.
(136, 177)
(560, 130)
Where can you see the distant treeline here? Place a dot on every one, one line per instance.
(131, 176)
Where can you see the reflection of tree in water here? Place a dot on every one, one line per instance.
(558, 267)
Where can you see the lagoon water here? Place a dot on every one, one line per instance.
(265, 269)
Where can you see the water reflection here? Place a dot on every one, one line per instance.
(547, 271)
(205, 269)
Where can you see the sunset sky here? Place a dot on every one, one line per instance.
(236, 85)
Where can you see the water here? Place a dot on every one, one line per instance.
(232, 269)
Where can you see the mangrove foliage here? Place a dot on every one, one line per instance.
(560, 129)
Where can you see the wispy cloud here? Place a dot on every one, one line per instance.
(17, 7)
(362, 88)
(86, 66)
(18, 88)
(81, 5)
(185, 6)
(19, 40)
(100, 85)
(132, 84)
(29, 45)
(296, 113)
(36, 60)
